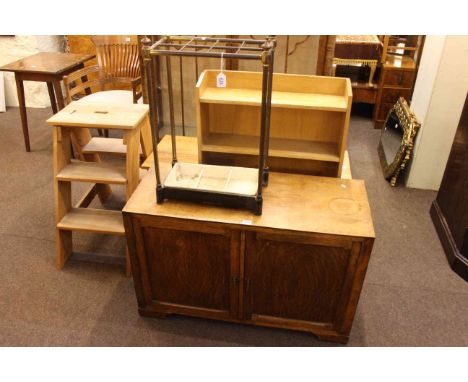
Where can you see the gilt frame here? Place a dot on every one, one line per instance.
(410, 125)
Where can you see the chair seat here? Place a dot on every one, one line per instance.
(110, 96)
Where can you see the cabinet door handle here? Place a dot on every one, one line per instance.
(400, 81)
(235, 280)
(247, 284)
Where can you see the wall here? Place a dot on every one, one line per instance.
(437, 101)
(14, 48)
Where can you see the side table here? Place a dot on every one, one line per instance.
(49, 67)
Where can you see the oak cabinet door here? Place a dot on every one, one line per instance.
(293, 281)
(192, 272)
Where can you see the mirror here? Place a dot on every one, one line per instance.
(396, 140)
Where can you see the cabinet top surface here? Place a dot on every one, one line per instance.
(47, 62)
(290, 202)
(107, 116)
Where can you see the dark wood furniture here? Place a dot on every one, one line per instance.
(449, 210)
(49, 67)
(300, 265)
(356, 57)
(399, 67)
(396, 80)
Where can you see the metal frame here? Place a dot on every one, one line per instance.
(210, 47)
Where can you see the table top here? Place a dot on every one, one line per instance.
(47, 63)
(106, 116)
(358, 39)
(355, 47)
(290, 202)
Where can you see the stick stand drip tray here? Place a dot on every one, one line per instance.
(221, 185)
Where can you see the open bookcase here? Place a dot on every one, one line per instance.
(308, 124)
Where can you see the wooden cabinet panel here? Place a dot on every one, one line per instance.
(400, 78)
(391, 95)
(366, 95)
(293, 280)
(190, 270)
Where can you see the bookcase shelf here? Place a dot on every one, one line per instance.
(308, 125)
(291, 100)
(279, 147)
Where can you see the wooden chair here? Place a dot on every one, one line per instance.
(114, 80)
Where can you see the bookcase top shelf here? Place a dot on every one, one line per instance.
(278, 99)
(289, 90)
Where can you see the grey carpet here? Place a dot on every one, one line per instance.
(410, 296)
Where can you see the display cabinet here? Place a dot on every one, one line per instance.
(308, 124)
(400, 60)
(409, 46)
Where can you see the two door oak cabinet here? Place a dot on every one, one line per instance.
(300, 265)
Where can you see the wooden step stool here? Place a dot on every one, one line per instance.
(76, 119)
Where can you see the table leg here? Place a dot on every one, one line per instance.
(59, 94)
(373, 66)
(22, 107)
(53, 103)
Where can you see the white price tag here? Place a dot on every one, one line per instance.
(221, 80)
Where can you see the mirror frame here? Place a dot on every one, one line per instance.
(410, 125)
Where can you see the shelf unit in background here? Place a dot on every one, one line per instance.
(308, 126)
(400, 60)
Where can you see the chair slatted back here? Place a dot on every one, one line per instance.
(118, 56)
(82, 82)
